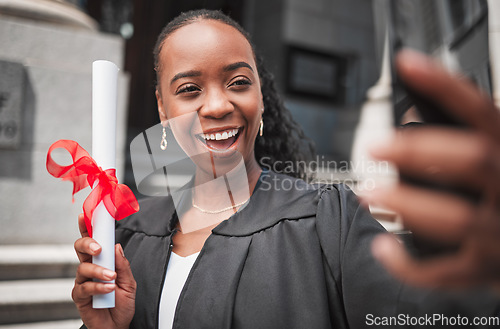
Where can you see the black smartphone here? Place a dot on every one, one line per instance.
(456, 33)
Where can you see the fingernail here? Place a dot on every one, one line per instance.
(94, 247)
(412, 62)
(121, 250)
(109, 286)
(108, 275)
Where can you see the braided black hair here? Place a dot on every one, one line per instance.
(283, 146)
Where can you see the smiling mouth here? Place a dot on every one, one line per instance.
(220, 140)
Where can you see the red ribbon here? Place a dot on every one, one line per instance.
(117, 198)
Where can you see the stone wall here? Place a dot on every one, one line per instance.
(340, 28)
(49, 91)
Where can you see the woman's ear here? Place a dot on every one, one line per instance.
(161, 109)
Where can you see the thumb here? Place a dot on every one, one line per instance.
(124, 276)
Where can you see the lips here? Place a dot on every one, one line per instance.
(220, 140)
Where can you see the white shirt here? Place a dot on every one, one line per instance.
(177, 272)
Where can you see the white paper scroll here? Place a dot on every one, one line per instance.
(104, 94)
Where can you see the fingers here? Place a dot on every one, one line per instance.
(435, 215)
(82, 293)
(450, 271)
(444, 155)
(86, 248)
(81, 225)
(459, 96)
(125, 279)
(458, 158)
(88, 271)
(85, 287)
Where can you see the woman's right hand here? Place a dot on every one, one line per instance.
(125, 286)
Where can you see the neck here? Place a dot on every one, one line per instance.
(231, 188)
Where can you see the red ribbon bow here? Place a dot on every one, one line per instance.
(117, 198)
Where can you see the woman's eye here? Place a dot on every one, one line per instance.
(240, 82)
(187, 89)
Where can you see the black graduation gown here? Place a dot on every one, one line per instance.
(297, 256)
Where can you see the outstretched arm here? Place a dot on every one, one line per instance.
(462, 158)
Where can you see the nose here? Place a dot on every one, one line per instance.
(216, 104)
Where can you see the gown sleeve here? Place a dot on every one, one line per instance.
(369, 294)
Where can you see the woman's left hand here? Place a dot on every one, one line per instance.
(467, 158)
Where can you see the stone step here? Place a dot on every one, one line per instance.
(20, 262)
(25, 301)
(65, 324)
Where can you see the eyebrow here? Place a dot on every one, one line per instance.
(237, 65)
(186, 74)
(193, 73)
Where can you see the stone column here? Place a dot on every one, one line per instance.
(60, 12)
(375, 125)
(45, 93)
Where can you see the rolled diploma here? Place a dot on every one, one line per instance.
(104, 92)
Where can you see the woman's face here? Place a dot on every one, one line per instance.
(209, 91)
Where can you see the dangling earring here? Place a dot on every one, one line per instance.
(163, 144)
(261, 128)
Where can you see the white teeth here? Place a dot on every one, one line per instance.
(220, 136)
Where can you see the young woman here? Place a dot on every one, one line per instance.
(269, 251)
